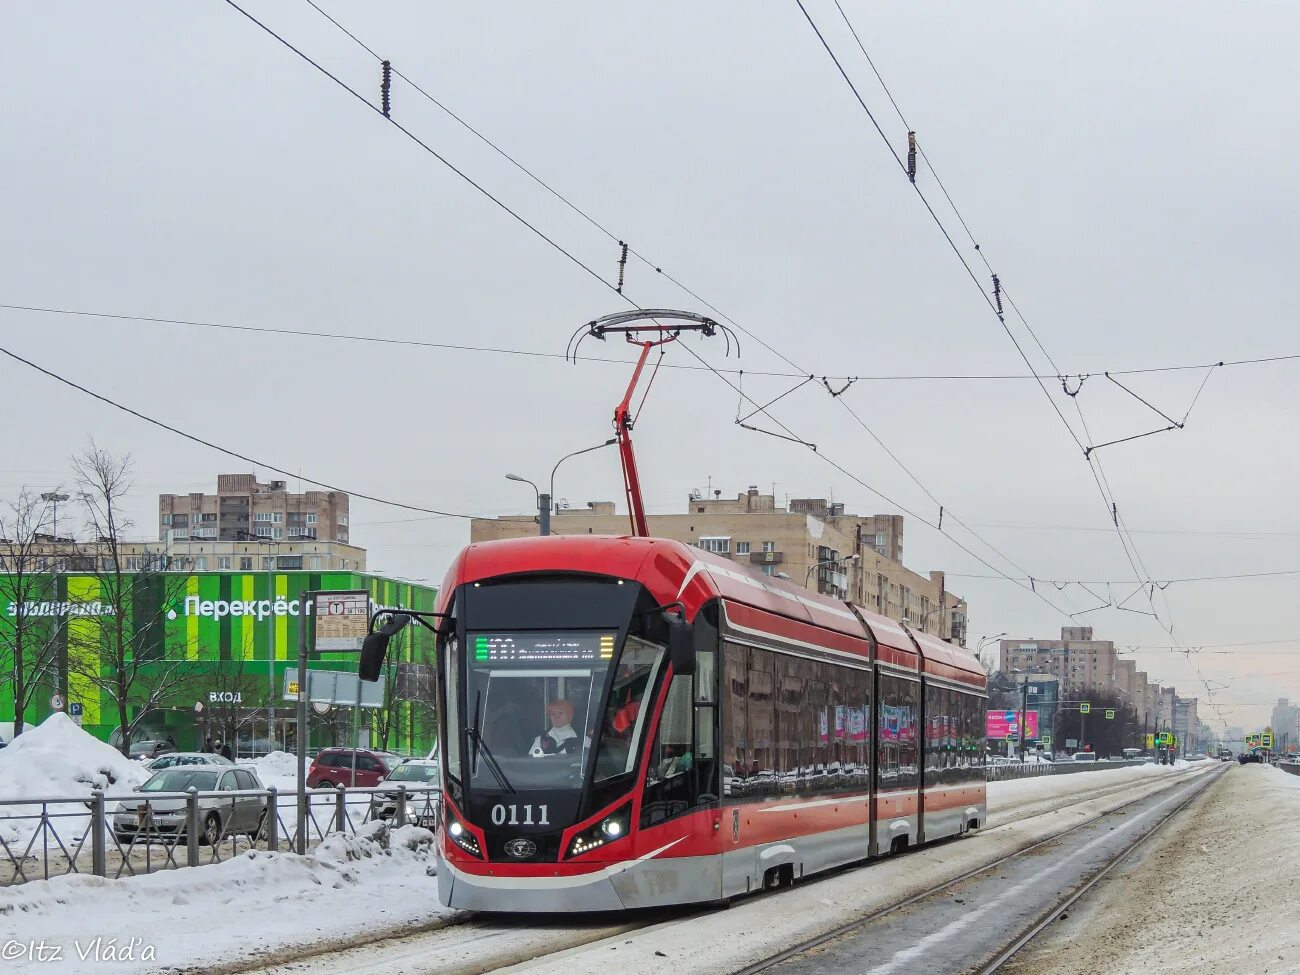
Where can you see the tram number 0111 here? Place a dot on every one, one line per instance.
(509, 815)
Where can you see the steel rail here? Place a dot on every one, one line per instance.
(1037, 928)
(850, 926)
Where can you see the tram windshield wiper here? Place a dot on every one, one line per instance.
(476, 737)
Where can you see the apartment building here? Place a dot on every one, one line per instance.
(1078, 661)
(244, 507)
(196, 555)
(811, 542)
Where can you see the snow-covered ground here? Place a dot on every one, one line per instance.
(56, 759)
(214, 916)
(1217, 893)
(261, 904)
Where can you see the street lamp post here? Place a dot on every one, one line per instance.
(816, 565)
(985, 641)
(544, 500)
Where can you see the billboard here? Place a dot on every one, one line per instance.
(1000, 724)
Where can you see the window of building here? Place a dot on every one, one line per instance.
(769, 570)
(223, 563)
(881, 539)
(717, 545)
(290, 562)
(268, 563)
(342, 520)
(262, 531)
(196, 517)
(277, 532)
(201, 564)
(277, 517)
(245, 563)
(742, 548)
(311, 518)
(314, 562)
(769, 546)
(261, 516)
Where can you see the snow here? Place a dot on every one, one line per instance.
(56, 759)
(217, 915)
(1223, 885)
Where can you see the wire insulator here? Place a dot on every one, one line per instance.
(622, 264)
(997, 294)
(385, 87)
(911, 156)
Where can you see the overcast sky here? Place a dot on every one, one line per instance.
(1128, 169)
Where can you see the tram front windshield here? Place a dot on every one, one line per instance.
(536, 707)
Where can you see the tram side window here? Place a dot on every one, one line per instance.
(857, 727)
(897, 733)
(669, 783)
(791, 766)
(815, 732)
(762, 724)
(735, 725)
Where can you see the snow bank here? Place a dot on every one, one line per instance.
(279, 769)
(57, 758)
(217, 915)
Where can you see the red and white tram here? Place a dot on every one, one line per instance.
(632, 722)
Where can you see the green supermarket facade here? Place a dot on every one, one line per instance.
(222, 642)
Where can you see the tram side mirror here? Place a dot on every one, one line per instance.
(375, 647)
(681, 645)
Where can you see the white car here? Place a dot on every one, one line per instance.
(1085, 756)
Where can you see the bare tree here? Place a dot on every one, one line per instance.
(125, 656)
(31, 620)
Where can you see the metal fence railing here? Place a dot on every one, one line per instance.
(125, 834)
(1292, 767)
(1029, 770)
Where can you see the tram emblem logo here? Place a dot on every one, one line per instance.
(735, 825)
(521, 849)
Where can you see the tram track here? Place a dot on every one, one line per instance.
(470, 944)
(1004, 953)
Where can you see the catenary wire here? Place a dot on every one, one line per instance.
(225, 450)
(613, 237)
(528, 353)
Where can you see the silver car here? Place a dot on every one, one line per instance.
(420, 776)
(219, 814)
(187, 758)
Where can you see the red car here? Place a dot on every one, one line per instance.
(333, 767)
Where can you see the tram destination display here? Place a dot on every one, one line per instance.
(524, 648)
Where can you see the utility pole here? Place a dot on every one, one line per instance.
(53, 498)
(1024, 707)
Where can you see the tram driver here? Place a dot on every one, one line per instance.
(559, 738)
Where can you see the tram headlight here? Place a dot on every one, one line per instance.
(610, 828)
(462, 837)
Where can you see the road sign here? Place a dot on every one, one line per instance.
(57, 702)
(1085, 708)
(1151, 741)
(1266, 739)
(342, 620)
(1046, 740)
(1110, 715)
(76, 709)
(1072, 743)
(1012, 736)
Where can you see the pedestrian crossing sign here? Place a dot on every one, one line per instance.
(1110, 715)
(1085, 708)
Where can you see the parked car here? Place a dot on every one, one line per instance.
(173, 759)
(219, 815)
(421, 805)
(151, 748)
(1085, 756)
(333, 767)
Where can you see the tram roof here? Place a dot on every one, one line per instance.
(672, 570)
